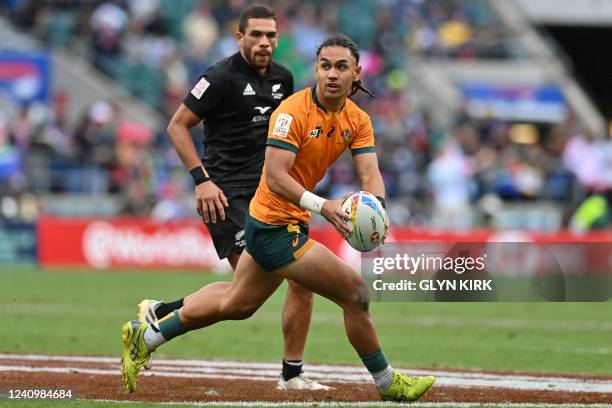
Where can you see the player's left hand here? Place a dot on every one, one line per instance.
(210, 200)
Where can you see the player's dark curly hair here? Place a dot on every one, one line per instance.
(254, 11)
(340, 40)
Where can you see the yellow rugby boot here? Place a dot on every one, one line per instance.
(135, 352)
(145, 312)
(406, 388)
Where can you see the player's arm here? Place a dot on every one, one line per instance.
(366, 166)
(278, 164)
(178, 130)
(209, 198)
(366, 161)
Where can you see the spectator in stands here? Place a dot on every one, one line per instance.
(594, 173)
(107, 24)
(449, 175)
(306, 31)
(454, 33)
(22, 131)
(10, 161)
(594, 213)
(95, 148)
(201, 31)
(133, 173)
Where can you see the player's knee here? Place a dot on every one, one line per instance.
(364, 296)
(358, 286)
(358, 294)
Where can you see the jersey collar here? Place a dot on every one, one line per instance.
(315, 99)
(245, 68)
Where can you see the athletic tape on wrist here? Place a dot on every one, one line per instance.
(197, 173)
(312, 202)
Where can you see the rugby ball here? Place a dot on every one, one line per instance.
(367, 219)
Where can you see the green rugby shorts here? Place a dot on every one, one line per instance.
(275, 246)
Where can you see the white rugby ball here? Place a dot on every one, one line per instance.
(367, 219)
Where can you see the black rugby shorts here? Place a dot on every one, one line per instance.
(228, 234)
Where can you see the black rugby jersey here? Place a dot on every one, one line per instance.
(235, 103)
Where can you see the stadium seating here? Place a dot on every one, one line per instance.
(454, 174)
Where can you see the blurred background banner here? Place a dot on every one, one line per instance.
(126, 242)
(18, 243)
(515, 103)
(25, 78)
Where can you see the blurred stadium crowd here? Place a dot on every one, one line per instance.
(457, 176)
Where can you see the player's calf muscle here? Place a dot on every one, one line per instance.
(232, 310)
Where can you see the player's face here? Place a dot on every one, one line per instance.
(258, 42)
(336, 71)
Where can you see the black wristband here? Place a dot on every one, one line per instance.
(197, 173)
(382, 201)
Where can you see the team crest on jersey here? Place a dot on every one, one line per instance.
(347, 135)
(275, 93)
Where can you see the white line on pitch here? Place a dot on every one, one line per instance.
(542, 384)
(351, 373)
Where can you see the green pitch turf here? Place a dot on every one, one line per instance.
(81, 312)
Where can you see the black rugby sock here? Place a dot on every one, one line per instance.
(164, 308)
(292, 368)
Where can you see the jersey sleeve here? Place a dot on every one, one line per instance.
(285, 130)
(206, 94)
(363, 142)
(290, 84)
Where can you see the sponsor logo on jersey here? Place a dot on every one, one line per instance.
(275, 93)
(199, 88)
(262, 117)
(248, 90)
(316, 132)
(282, 124)
(262, 109)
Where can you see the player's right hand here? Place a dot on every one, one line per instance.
(332, 211)
(210, 200)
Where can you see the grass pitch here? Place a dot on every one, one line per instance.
(81, 312)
